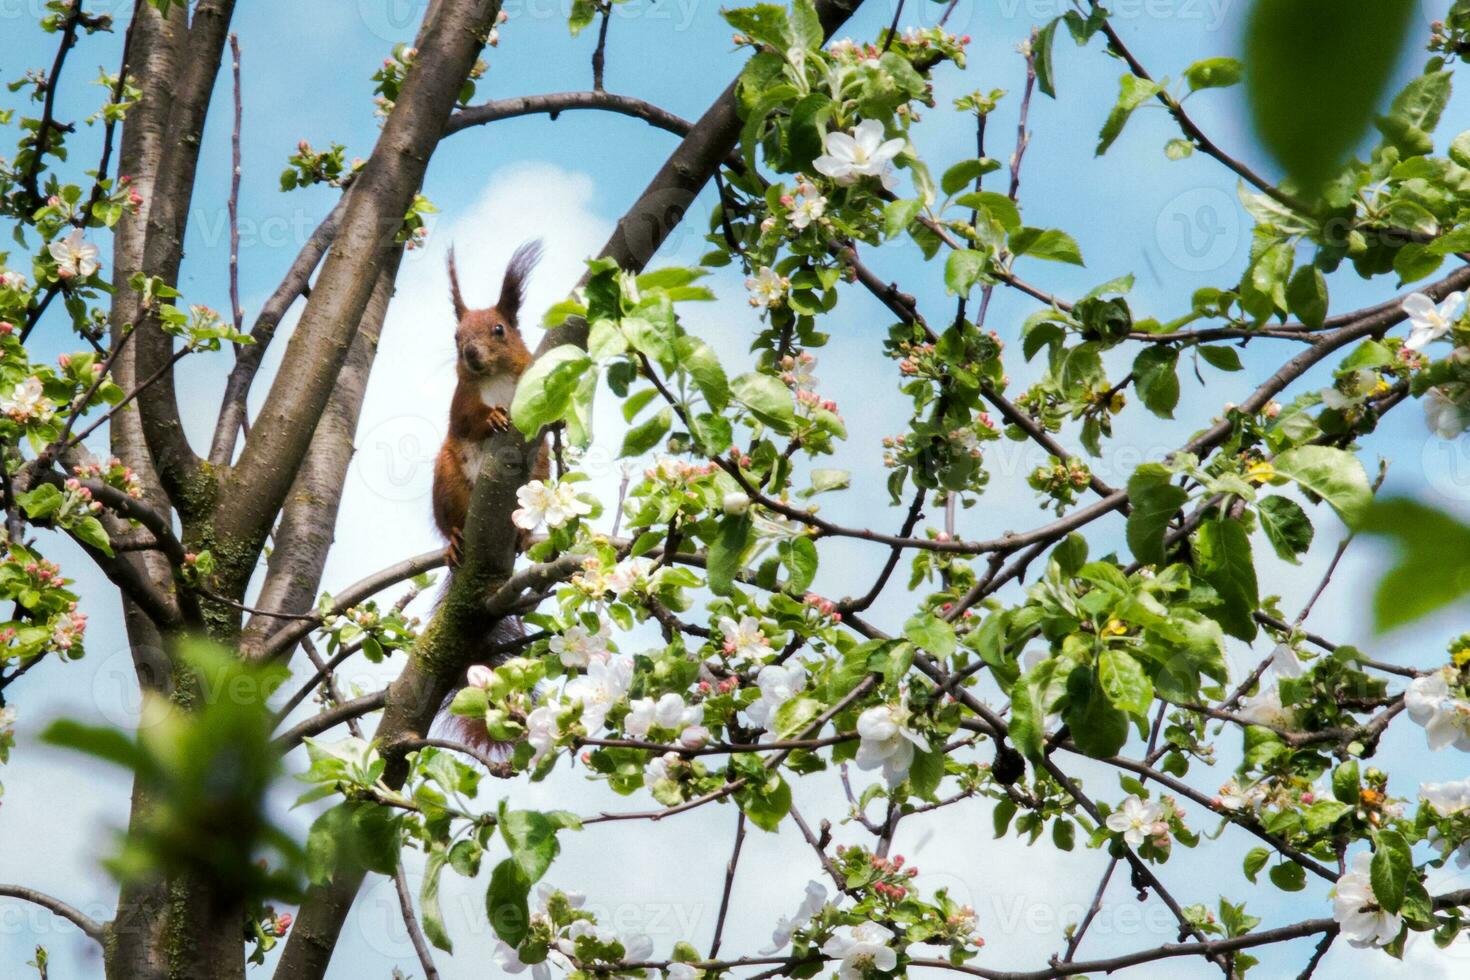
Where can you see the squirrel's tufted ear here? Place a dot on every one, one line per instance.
(513, 289)
(454, 295)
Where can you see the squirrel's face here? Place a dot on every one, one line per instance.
(488, 343)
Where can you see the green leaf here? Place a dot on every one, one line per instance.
(925, 773)
(431, 915)
(1155, 501)
(994, 205)
(962, 270)
(1098, 729)
(1156, 377)
(1224, 358)
(898, 215)
(1392, 867)
(1286, 525)
(767, 805)
(40, 503)
(727, 552)
(1433, 566)
(965, 173)
(545, 391)
(505, 901)
(765, 22)
(1041, 49)
(1223, 559)
(932, 634)
(1415, 113)
(766, 396)
(806, 27)
(1255, 860)
(1049, 243)
(1346, 783)
(1124, 681)
(1289, 876)
(644, 436)
(1133, 92)
(703, 365)
(90, 531)
(1306, 295)
(1335, 475)
(1315, 71)
(1214, 73)
(532, 840)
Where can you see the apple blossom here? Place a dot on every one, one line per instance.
(778, 683)
(767, 289)
(1427, 321)
(1446, 799)
(744, 639)
(863, 949)
(1444, 714)
(630, 574)
(1138, 820)
(578, 646)
(26, 401)
(555, 506)
(604, 685)
(861, 153)
(74, 256)
(811, 903)
(887, 741)
(1355, 908)
(1446, 417)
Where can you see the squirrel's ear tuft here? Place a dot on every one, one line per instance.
(454, 294)
(513, 290)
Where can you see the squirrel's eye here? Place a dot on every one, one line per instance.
(499, 330)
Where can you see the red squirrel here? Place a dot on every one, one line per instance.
(490, 358)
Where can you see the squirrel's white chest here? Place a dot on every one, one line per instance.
(495, 390)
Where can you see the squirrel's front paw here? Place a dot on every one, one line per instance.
(497, 418)
(456, 548)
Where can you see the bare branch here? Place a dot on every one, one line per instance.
(94, 930)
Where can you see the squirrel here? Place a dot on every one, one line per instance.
(490, 358)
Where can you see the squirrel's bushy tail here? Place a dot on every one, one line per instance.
(472, 731)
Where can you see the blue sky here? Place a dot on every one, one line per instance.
(1176, 225)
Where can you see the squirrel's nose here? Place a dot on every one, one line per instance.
(474, 358)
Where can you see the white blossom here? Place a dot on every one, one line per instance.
(766, 288)
(1428, 322)
(26, 401)
(1444, 715)
(7, 719)
(744, 639)
(1356, 909)
(658, 768)
(554, 506)
(778, 683)
(668, 712)
(809, 205)
(680, 971)
(629, 574)
(10, 279)
(74, 256)
(1265, 707)
(865, 948)
(480, 676)
(887, 741)
(1445, 417)
(811, 904)
(541, 729)
(862, 153)
(579, 646)
(509, 960)
(604, 685)
(1137, 820)
(1446, 799)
